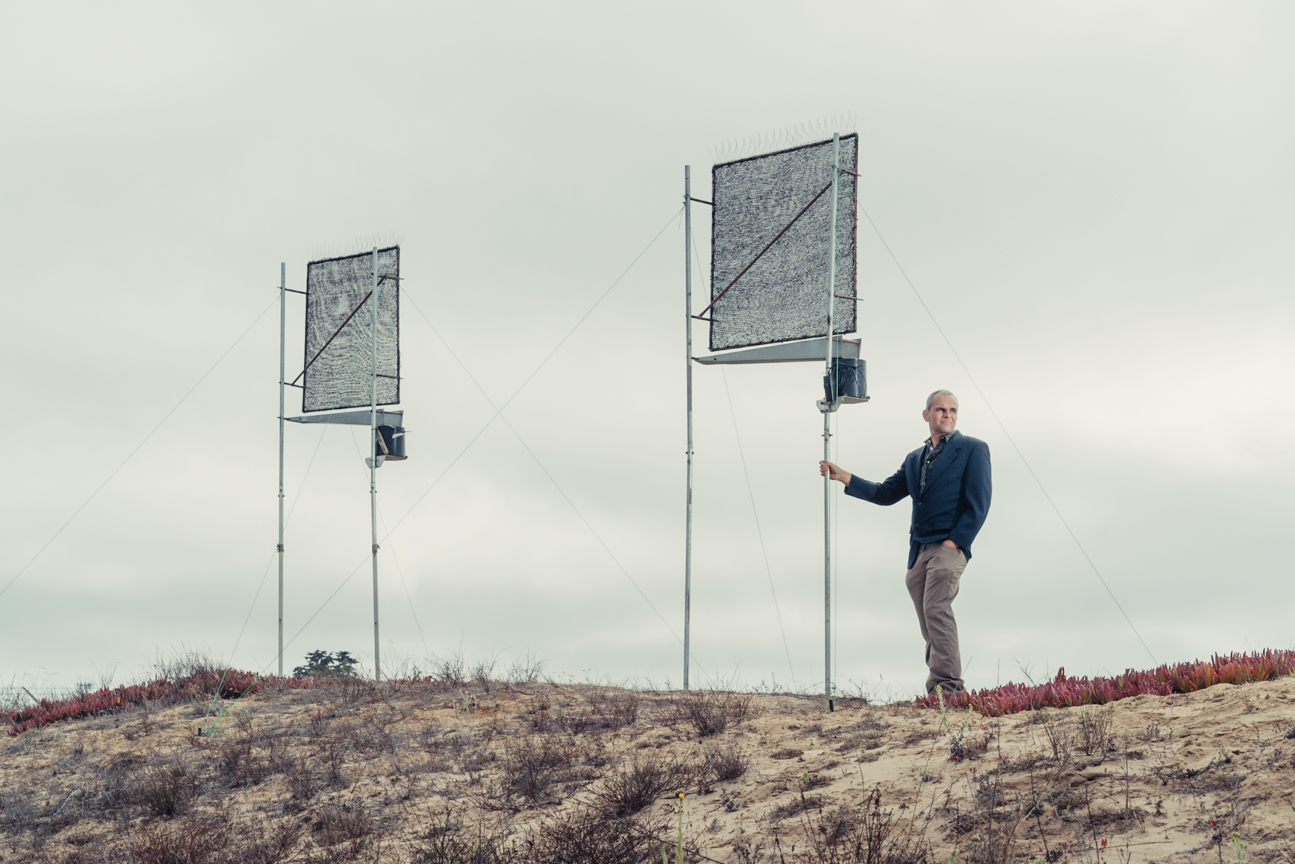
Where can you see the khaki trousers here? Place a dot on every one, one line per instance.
(933, 583)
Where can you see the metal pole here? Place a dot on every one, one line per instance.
(827, 435)
(373, 463)
(687, 554)
(283, 319)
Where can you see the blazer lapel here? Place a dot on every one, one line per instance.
(950, 452)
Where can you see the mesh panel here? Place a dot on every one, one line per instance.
(783, 296)
(339, 351)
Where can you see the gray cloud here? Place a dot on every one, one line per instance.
(1092, 200)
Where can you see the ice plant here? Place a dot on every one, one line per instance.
(200, 685)
(1065, 692)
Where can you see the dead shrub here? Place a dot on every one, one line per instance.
(239, 764)
(449, 841)
(347, 822)
(334, 755)
(370, 735)
(648, 776)
(535, 765)
(1061, 738)
(18, 810)
(266, 843)
(614, 710)
(190, 841)
(538, 714)
(995, 817)
(1096, 730)
(350, 690)
(303, 781)
(481, 672)
(725, 762)
(871, 740)
(117, 781)
(711, 711)
(864, 834)
(320, 723)
(525, 670)
(802, 803)
(963, 747)
(449, 672)
(474, 761)
(584, 836)
(167, 790)
(209, 840)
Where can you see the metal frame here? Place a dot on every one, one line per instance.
(854, 227)
(687, 323)
(828, 410)
(373, 459)
(369, 418)
(309, 361)
(283, 334)
(780, 351)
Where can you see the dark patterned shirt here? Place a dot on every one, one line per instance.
(929, 455)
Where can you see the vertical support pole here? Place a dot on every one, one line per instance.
(687, 548)
(827, 568)
(827, 434)
(283, 324)
(373, 462)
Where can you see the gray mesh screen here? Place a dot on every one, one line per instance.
(783, 296)
(338, 337)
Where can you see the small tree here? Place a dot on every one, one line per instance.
(322, 664)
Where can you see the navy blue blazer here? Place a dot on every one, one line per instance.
(956, 499)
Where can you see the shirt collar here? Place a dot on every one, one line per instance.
(943, 440)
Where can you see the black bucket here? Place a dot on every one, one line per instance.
(851, 379)
(391, 442)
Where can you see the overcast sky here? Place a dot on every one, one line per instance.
(1093, 200)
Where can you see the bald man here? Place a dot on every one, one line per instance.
(948, 480)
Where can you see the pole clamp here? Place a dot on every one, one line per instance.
(280, 547)
(375, 548)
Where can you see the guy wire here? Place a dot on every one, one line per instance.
(754, 512)
(548, 357)
(476, 437)
(750, 492)
(130, 455)
(257, 596)
(520, 440)
(399, 571)
(1011, 440)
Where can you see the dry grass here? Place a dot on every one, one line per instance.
(646, 778)
(710, 712)
(466, 769)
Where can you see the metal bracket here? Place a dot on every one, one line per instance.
(280, 547)
(826, 407)
(375, 548)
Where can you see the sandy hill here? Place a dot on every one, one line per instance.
(454, 772)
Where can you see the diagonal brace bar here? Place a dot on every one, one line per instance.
(766, 249)
(331, 338)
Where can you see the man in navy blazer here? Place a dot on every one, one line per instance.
(948, 480)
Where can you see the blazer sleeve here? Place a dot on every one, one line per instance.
(887, 492)
(975, 498)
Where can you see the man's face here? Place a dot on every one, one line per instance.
(942, 415)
